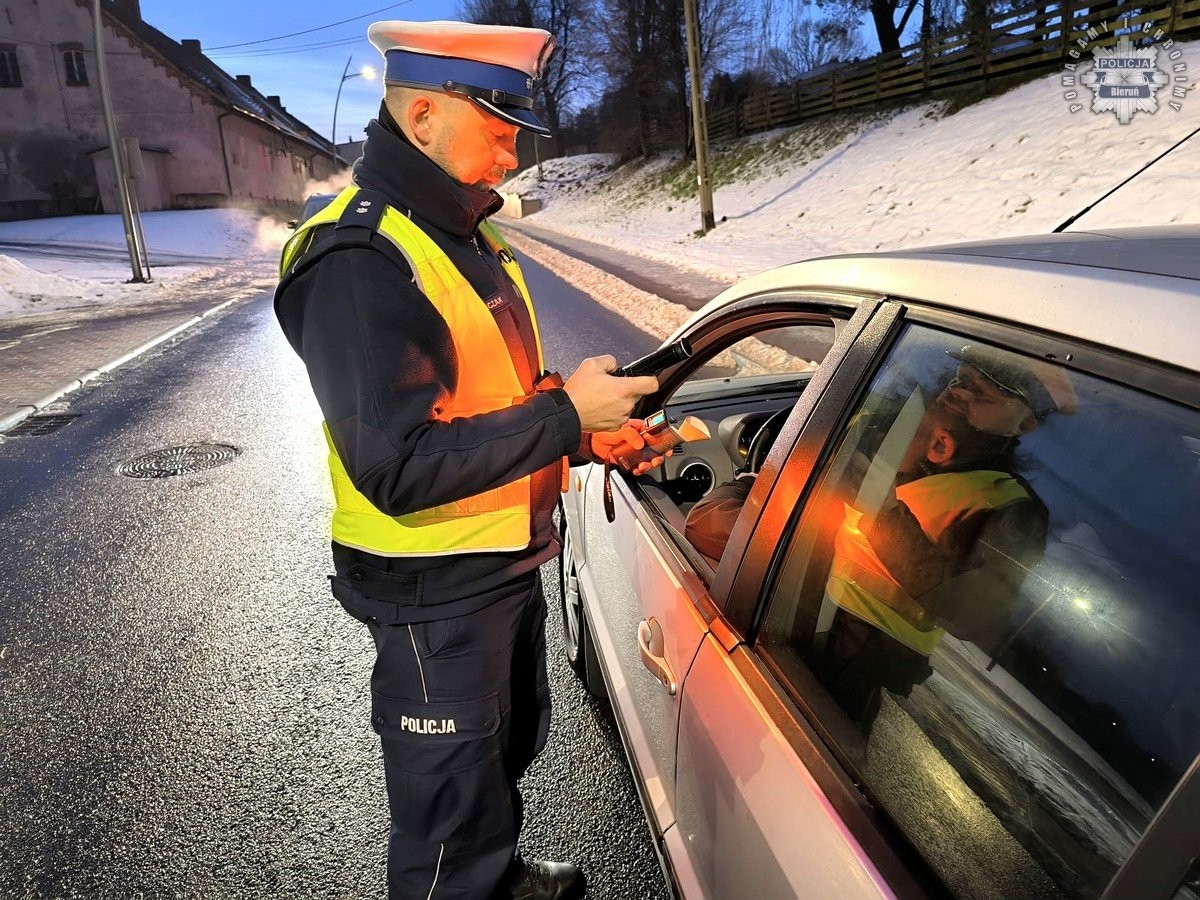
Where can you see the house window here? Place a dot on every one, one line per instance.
(73, 65)
(10, 72)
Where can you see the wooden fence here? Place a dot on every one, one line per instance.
(1035, 37)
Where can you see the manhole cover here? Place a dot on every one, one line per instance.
(45, 424)
(178, 460)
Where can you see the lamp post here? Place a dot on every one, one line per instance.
(365, 72)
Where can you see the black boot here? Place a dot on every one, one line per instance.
(538, 879)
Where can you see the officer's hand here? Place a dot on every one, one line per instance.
(602, 401)
(606, 444)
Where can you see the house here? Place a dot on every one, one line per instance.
(206, 138)
(350, 150)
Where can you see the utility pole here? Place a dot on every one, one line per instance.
(116, 150)
(699, 121)
(135, 169)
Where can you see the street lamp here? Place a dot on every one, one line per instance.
(366, 72)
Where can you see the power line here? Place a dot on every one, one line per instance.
(300, 48)
(311, 30)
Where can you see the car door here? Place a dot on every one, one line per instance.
(646, 589)
(1038, 735)
(749, 769)
(645, 613)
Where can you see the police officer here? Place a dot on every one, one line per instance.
(447, 449)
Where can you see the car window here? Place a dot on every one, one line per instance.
(742, 387)
(315, 204)
(771, 352)
(988, 607)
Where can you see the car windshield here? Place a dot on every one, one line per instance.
(315, 204)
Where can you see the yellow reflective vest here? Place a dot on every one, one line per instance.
(861, 584)
(495, 520)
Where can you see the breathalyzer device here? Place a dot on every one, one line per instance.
(660, 435)
(660, 359)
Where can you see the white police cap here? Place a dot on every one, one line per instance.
(494, 65)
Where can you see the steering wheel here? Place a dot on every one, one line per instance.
(761, 443)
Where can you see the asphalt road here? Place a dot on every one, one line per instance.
(183, 708)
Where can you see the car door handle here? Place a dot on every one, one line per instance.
(652, 645)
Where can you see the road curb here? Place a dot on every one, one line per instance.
(24, 412)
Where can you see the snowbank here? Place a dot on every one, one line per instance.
(82, 261)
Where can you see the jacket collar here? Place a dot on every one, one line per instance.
(417, 185)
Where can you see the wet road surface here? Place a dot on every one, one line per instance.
(183, 708)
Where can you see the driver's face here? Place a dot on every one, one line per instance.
(985, 405)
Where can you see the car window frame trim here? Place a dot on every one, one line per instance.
(1168, 848)
(808, 434)
(814, 302)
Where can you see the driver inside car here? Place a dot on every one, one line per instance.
(948, 547)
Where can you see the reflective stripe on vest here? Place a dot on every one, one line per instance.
(495, 520)
(861, 584)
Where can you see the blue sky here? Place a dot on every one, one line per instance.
(307, 80)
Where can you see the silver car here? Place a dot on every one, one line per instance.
(921, 616)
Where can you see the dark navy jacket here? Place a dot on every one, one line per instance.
(379, 354)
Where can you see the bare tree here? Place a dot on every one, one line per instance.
(647, 59)
(890, 17)
(727, 30)
(570, 21)
(801, 42)
(642, 64)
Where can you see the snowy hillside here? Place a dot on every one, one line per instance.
(1015, 164)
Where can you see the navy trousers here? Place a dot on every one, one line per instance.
(462, 707)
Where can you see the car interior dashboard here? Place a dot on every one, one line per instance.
(735, 412)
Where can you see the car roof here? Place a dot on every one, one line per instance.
(1133, 289)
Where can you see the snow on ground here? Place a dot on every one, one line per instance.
(81, 261)
(1018, 163)
(650, 313)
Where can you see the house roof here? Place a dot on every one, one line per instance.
(207, 76)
